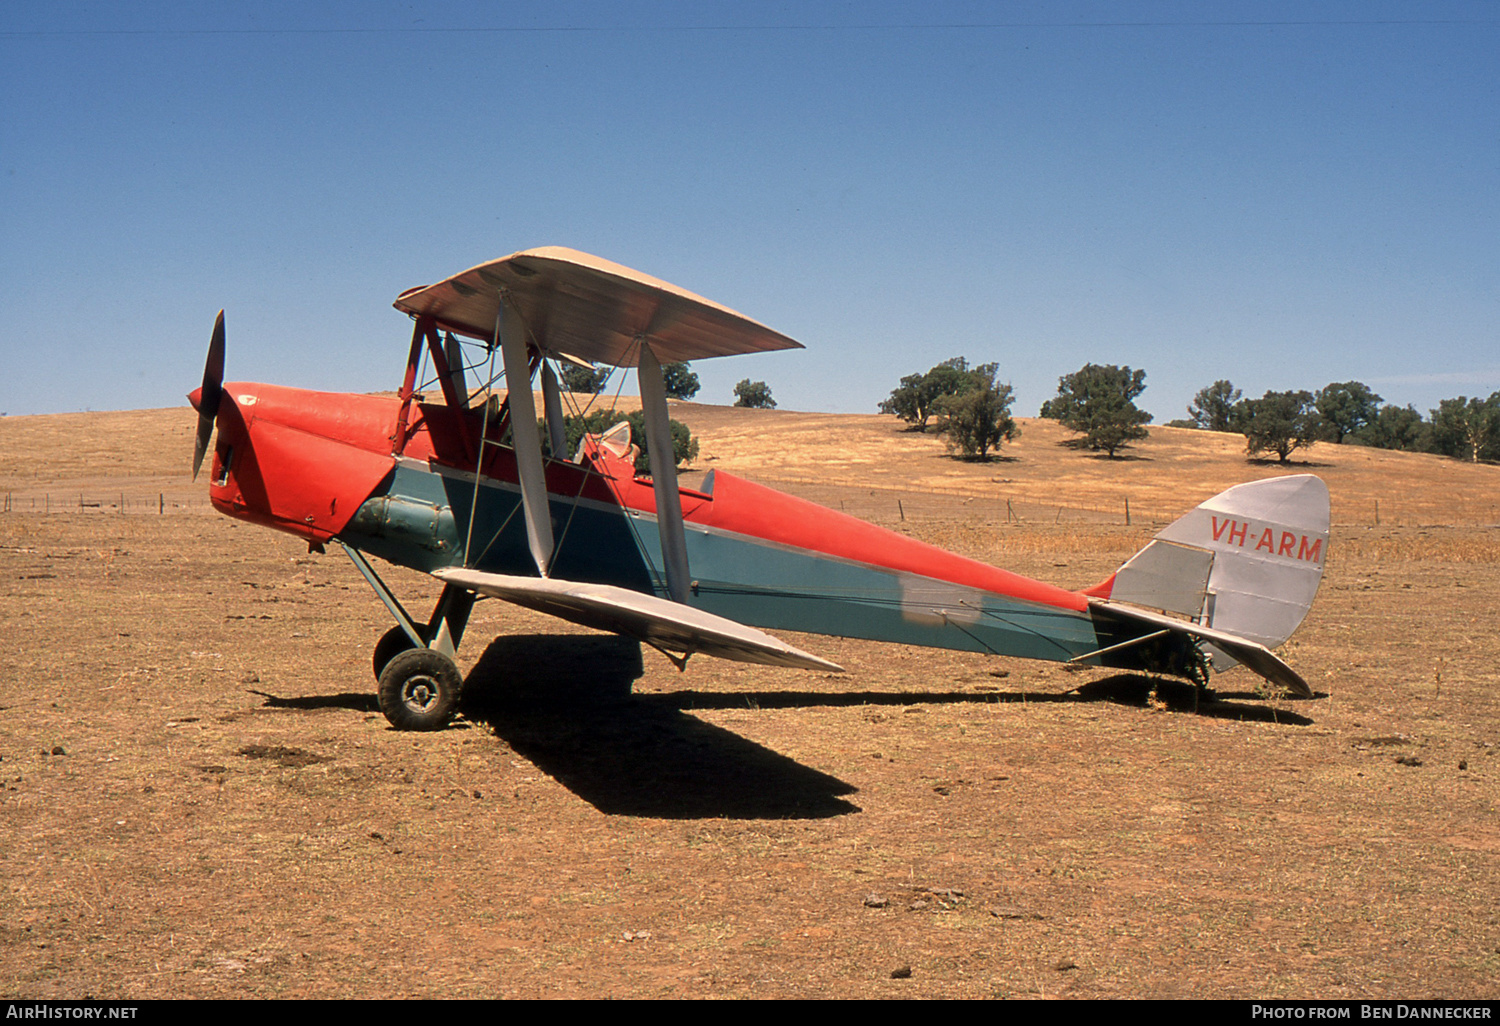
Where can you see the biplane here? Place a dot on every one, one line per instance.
(464, 490)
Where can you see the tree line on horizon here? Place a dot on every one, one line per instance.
(1098, 402)
(679, 381)
(972, 409)
(1466, 428)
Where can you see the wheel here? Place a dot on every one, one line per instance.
(419, 690)
(391, 644)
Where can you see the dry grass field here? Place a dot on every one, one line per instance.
(200, 798)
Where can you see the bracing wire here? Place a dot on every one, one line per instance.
(484, 428)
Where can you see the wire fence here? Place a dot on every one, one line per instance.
(886, 507)
(158, 504)
(892, 506)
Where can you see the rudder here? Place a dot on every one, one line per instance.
(1247, 562)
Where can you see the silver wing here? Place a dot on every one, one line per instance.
(669, 626)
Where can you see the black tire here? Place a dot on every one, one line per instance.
(391, 644)
(419, 690)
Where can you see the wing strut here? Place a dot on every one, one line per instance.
(528, 441)
(453, 352)
(552, 405)
(663, 474)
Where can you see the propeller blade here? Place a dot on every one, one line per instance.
(210, 394)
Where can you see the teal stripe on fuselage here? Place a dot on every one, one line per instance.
(780, 587)
(420, 520)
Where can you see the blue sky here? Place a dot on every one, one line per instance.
(1282, 194)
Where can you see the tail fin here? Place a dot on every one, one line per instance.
(1246, 563)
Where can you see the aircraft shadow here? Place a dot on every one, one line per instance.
(564, 703)
(1122, 689)
(1180, 696)
(361, 701)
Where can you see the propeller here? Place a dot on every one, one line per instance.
(206, 399)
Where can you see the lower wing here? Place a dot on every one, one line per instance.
(668, 626)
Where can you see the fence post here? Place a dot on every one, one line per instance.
(1127, 511)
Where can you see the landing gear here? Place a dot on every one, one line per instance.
(419, 689)
(419, 681)
(391, 644)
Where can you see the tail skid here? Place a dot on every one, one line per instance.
(1244, 568)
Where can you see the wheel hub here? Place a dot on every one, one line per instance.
(420, 693)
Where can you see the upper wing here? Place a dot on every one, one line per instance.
(590, 308)
(667, 625)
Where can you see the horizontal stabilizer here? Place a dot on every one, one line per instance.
(670, 626)
(1250, 654)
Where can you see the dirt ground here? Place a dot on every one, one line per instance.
(201, 799)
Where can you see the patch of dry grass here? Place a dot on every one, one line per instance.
(1440, 544)
(199, 798)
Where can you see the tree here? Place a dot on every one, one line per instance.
(909, 402)
(680, 380)
(914, 400)
(979, 418)
(1395, 427)
(1467, 428)
(1212, 406)
(590, 380)
(1346, 407)
(754, 394)
(1099, 402)
(1279, 422)
(684, 445)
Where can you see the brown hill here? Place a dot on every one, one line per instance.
(199, 797)
(866, 464)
